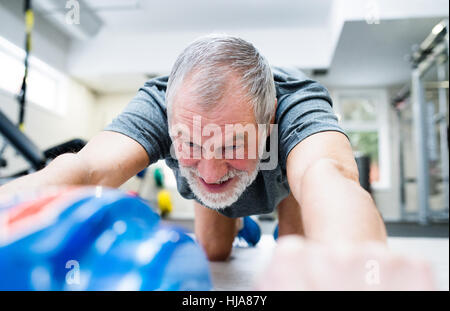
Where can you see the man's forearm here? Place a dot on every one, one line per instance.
(335, 208)
(66, 169)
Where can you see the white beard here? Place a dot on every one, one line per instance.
(223, 199)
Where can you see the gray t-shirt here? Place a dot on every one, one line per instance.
(304, 108)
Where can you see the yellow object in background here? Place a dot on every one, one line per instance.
(164, 203)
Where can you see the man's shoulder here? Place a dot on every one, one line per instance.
(288, 74)
(151, 96)
(159, 82)
(293, 81)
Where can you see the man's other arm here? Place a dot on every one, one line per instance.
(323, 176)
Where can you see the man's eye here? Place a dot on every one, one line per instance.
(190, 144)
(234, 147)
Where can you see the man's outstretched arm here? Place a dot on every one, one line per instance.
(345, 246)
(323, 177)
(109, 159)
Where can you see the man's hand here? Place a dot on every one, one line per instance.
(299, 264)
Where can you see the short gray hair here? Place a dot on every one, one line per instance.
(209, 61)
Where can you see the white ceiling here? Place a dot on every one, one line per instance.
(376, 55)
(142, 37)
(148, 37)
(150, 16)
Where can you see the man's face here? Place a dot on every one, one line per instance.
(216, 147)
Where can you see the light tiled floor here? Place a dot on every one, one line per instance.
(434, 250)
(245, 264)
(239, 272)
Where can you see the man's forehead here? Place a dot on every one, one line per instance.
(229, 124)
(229, 131)
(228, 110)
(232, 106)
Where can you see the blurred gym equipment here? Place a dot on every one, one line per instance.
(363, 163)
(163, 197)
(14, 135)
(36, 158)
(417, 104)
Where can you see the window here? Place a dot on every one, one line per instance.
(367, 143)
(357, 109)
(45, 85)
(363, 114)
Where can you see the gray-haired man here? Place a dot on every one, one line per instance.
(211, 121)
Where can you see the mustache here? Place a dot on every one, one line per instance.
(218, 200)
(230, 174)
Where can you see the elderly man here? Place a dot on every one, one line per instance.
(287, 152)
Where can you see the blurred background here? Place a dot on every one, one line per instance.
(385, 63)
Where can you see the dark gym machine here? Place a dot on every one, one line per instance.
(14, 136)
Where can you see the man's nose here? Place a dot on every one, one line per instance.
(212, 170)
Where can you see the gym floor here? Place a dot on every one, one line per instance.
(245, 264)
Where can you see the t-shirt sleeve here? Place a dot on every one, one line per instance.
(144, 119)
(304, 108)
